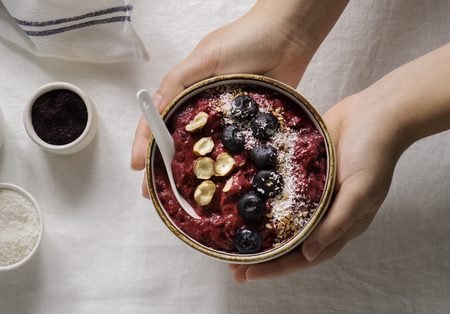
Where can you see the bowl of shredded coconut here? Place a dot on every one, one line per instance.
(21, 226)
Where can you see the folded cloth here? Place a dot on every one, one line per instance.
(94, 31)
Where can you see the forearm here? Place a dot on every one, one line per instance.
(307, 22)
(416, 95)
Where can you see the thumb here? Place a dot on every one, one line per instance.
(199, 65)
(340, 217)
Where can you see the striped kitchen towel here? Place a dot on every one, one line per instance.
(94, 31)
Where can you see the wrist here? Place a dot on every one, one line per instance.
(305, 22)
(416, 95)
(395, 132)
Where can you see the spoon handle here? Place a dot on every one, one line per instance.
(165, 144)
(157, 126)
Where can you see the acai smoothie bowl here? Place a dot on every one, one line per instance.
(255, 161)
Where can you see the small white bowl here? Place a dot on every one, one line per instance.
(2, 128)
(82, 141)
(41, 224)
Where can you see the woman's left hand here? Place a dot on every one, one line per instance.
(368, 143)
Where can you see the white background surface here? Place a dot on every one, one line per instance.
(105, 250)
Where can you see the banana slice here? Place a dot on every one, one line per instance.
(204, 192)
(228, 185)
(203, 146)
(224, 164)
(198, 122)
(204, 168)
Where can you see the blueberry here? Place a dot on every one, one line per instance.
(248, 241)
(233, 139)
(264, 125)
(268, 183)
(264, 156)
(244, 108)
(251, 206)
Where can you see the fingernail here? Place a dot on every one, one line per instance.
(312, 251)
(157, 100)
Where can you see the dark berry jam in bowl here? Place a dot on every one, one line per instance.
(60, 118)
(253, 158)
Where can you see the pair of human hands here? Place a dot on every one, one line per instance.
(366, 149)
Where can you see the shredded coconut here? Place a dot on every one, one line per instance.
(19, 226)
(291, 207)
(226, 104)
(283, 204)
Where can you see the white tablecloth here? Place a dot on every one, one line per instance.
(106, 251)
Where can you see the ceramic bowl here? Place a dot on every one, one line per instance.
(276, 86)
(41, 222)
(82, 141)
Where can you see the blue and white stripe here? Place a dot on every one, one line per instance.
(56, 26)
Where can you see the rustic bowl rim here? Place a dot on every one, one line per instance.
(321, 209)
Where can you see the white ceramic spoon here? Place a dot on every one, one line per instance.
(165, 143)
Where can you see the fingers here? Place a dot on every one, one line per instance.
(292, 262)
(199, 65)
(350, 200)
(140, 143)
(144, 187)
(240, 273)
(341, 224)
(295, 260)
(232, 267)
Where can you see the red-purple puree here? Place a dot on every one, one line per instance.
(302, 162)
